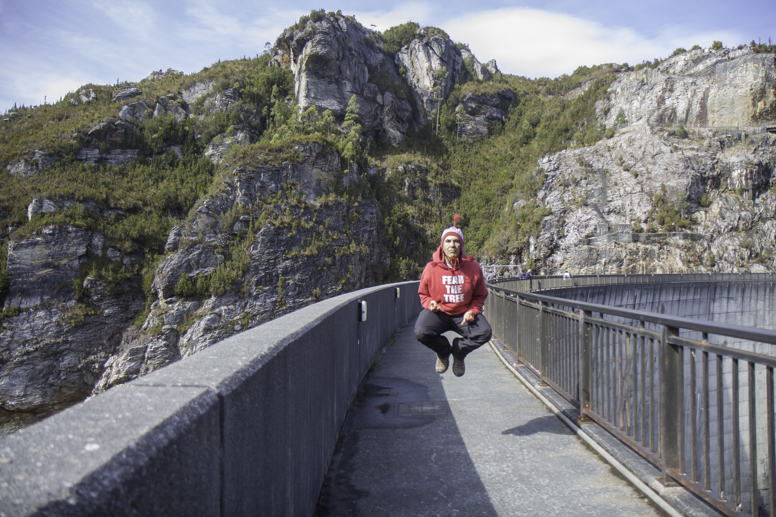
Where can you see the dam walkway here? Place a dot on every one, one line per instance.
(420, 443)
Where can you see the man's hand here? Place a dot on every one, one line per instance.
(433, 306)
(468, 316)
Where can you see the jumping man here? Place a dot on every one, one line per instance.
(452, 292)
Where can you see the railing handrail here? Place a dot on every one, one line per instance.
(722, 329)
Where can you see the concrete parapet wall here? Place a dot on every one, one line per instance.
(244, 427)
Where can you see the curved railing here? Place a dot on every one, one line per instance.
(244, 427)
(702, 412)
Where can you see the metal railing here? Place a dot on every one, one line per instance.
(540, 283)
(702, 412)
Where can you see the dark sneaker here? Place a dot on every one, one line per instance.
(442, 364)
(458, 367)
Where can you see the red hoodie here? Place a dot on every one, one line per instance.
(456, 290)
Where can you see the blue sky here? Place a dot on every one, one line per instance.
(51, 47)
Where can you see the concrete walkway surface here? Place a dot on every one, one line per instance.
(417, 443)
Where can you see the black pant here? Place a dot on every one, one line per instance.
(431, 325)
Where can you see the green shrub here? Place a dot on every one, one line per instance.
(396, 37)
(716, 45)
(186, 287)
(678, 51)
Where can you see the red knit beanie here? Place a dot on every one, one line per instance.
(453, 230)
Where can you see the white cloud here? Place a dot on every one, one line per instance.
(536, 43)
(417, 12)
(132, 16)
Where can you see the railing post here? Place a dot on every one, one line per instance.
(671, 405)
(517, 327)
(543, 346)
(585, 353)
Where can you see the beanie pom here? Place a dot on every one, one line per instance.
(455, 220)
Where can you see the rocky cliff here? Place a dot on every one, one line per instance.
(334, 58)
(686, 186)
(724, 88)
(271, 240)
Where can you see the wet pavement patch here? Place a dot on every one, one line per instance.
(386, 402)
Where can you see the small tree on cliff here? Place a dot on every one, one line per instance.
(439, 80)
(352, 117)
(350, 146)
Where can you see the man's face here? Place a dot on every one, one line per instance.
(451, 247)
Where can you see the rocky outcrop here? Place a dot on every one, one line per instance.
(238, 135)
(492, 67)
(24, 168)
(478, 111)
(171, 105)
(617, 184)
(38, 206)
(138, 111)
(156, 75)
(481, 72)
(718, 179)
(196, 90)
(111, 131)
(52, 353)
(269, 242)
(726, 88)
(334, 59)
(222, 101)
(126, 93)
(423, 60)
(42, 268)
(83, 96)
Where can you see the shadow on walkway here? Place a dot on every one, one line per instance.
(418, 443)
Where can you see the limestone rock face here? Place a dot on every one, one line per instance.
(477, 112)
(423, 59)
(332, 60)
(309, 247)
(727, 88)
(611, 187)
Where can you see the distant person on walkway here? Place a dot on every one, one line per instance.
(452, 292)
(491, 276)
(566, 275)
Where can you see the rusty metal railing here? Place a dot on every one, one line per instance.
(701, 412)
